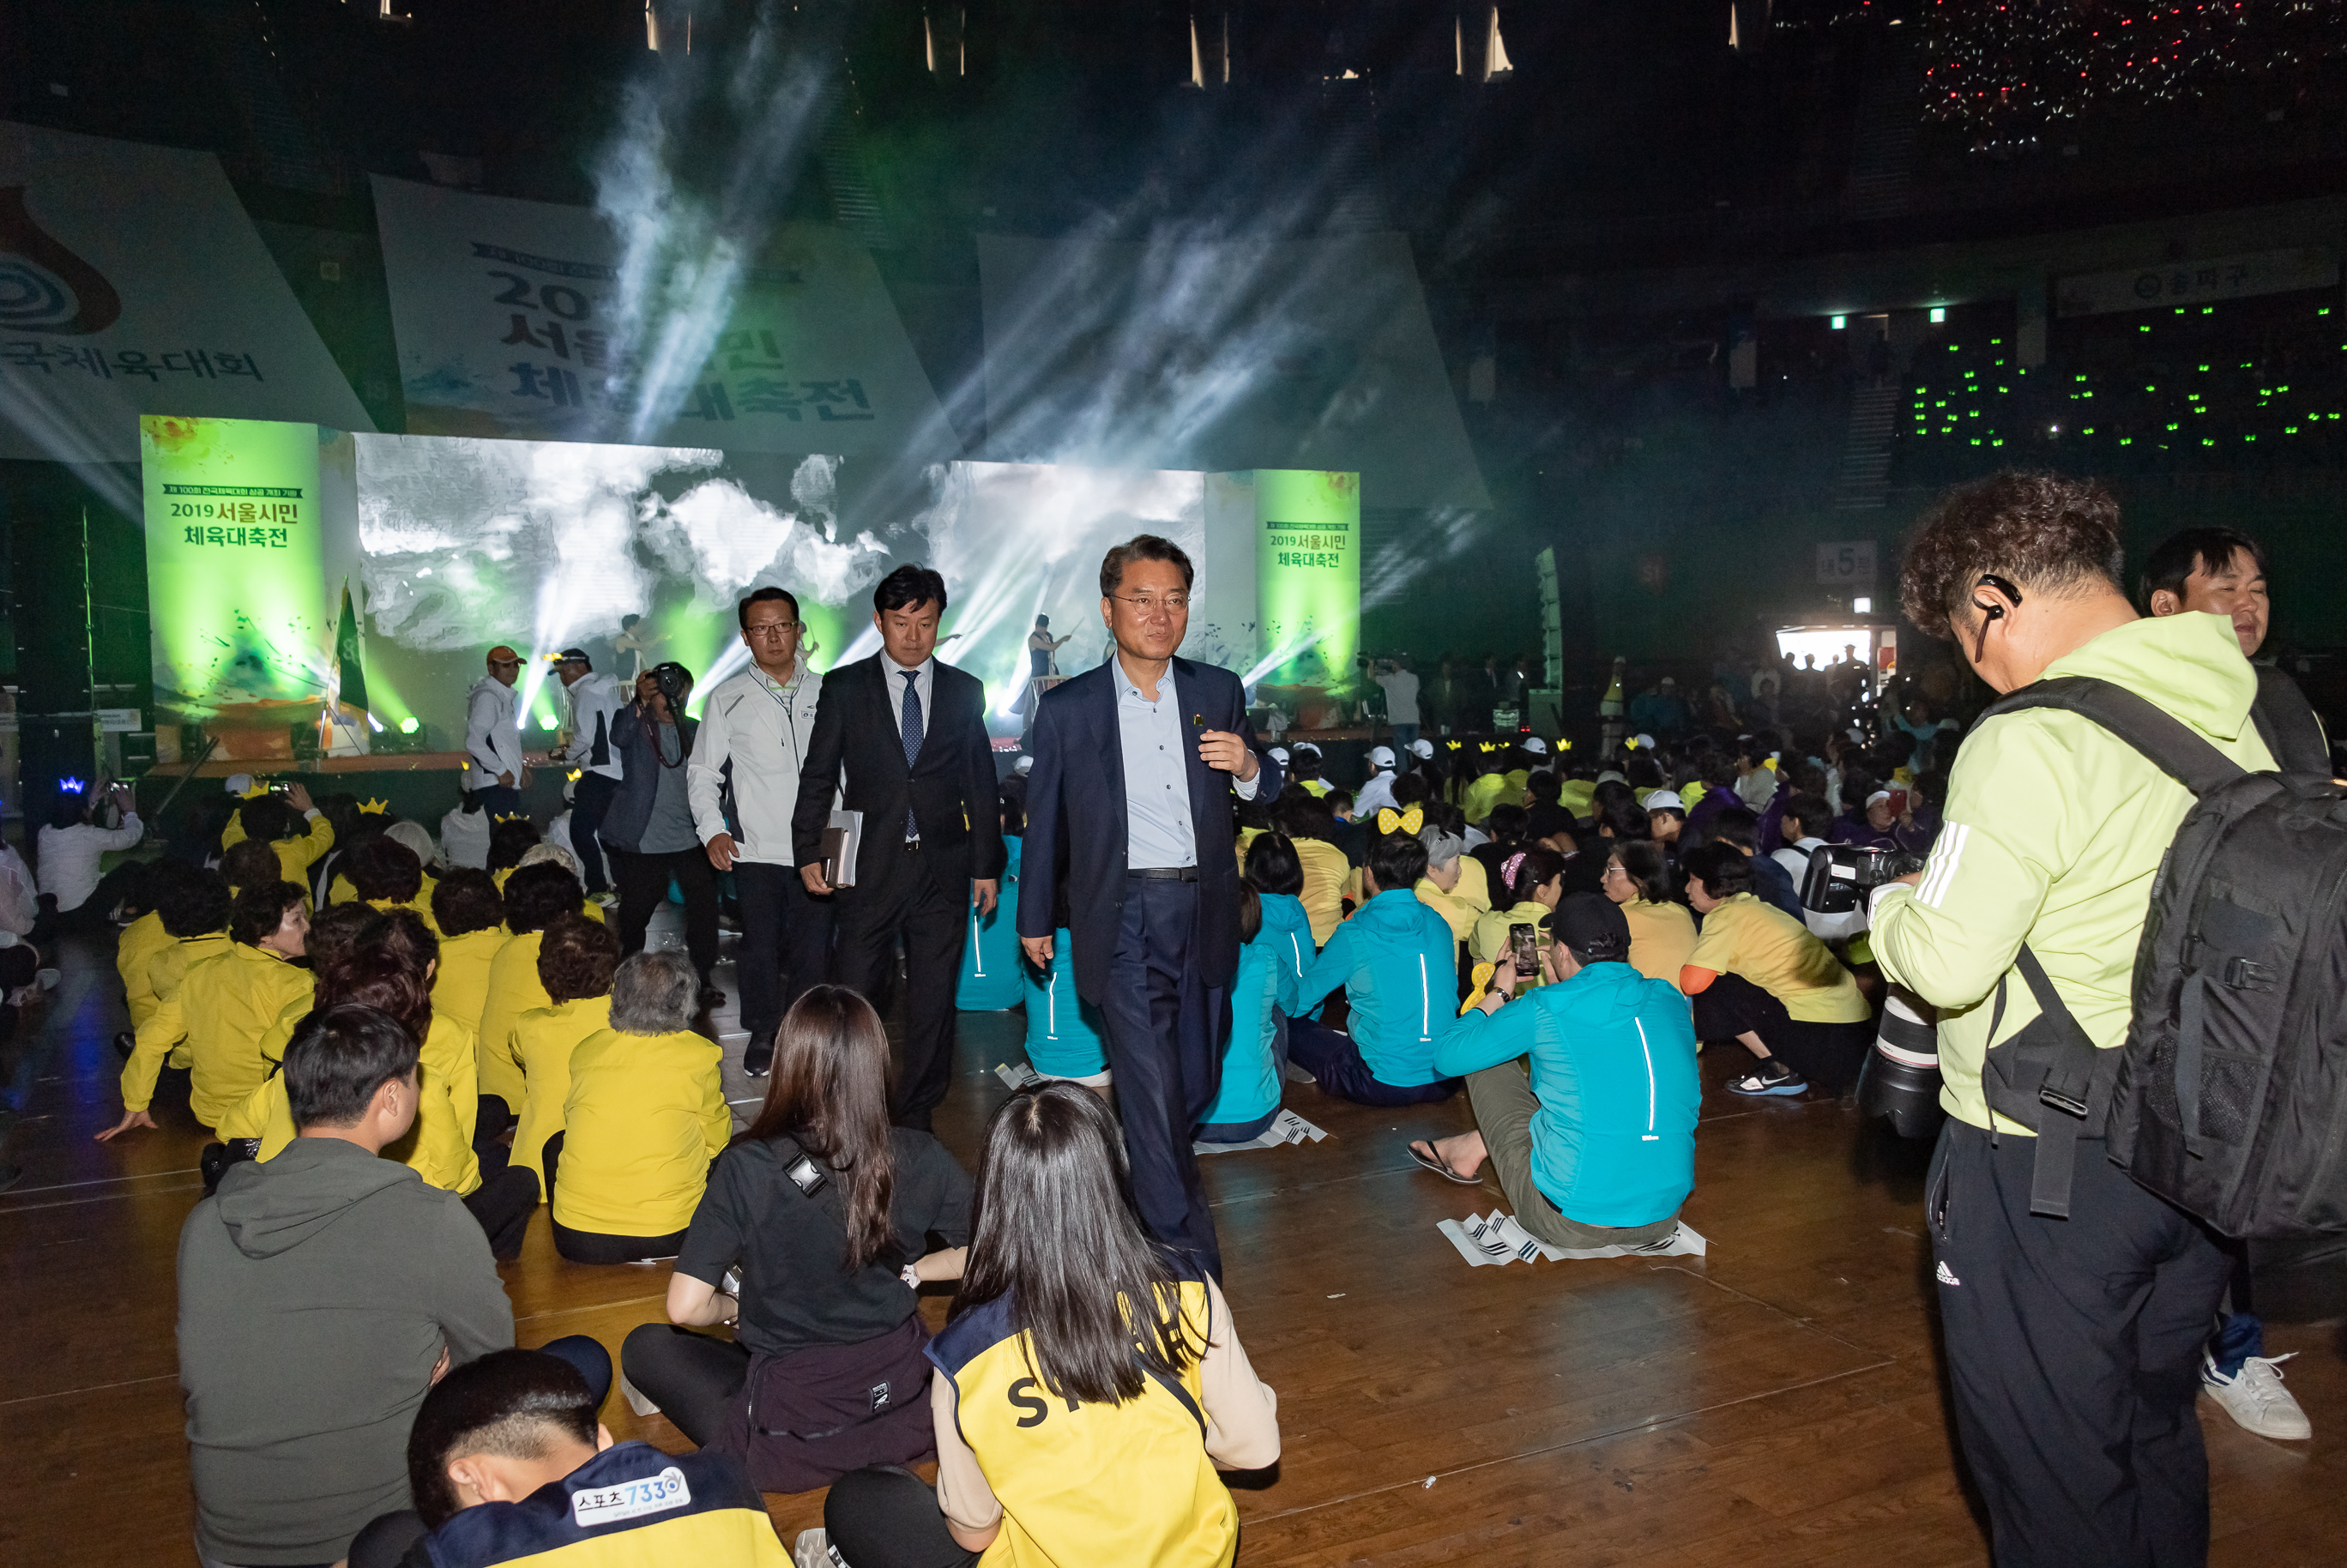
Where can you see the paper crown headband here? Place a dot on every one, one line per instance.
(512, 817)
(373, 807)
(255, 790)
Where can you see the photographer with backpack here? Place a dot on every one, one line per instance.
(2075, 1300)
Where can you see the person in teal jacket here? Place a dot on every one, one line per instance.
(990, 960)
(1276, 873)
(1065, 1034)
(1597, 1147)
(1394, 959)
(1261, 994)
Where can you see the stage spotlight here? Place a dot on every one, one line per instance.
(1840, 322)
(409, 726)
(1862, 605)
(1939, 314)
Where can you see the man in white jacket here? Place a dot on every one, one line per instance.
(754, 730)
(595, 702)
(493, 736)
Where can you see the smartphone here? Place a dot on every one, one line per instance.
(1524, 950)
(1898, 802)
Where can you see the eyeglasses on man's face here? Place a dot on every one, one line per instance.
(1149, 607)
(772, 627)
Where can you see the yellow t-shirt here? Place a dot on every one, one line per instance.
(645, 1115)
(1490, 941)
(1775, 952)
(1474, 885)
(1456, 912)
(544, 1039)
(1325, 870)
(513, 990)
(134, 955)
(1661, 938)
(1486, 793)
(1575, 795)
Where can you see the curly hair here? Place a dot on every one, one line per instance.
(536, 894)
(2043, 531)
(251, 862)
(508, 841)
(336, 929)
(575, 959)
(384, 869)
(467, 900)
(370, 976)
(259, 910)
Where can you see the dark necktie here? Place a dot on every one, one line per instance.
(912, 728)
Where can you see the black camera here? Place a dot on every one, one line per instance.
(675, 683)
(1900, 1081)
(1841, 876)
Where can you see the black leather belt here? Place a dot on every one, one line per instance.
(1165, 873)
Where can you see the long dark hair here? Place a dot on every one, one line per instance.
(1055, 1233)
(829, 1092)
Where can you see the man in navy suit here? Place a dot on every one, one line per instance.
(903, 738)
(1129, 811)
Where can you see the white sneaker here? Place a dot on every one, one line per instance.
(2256, 1399)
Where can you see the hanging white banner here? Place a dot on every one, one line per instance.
(513, 320)
(131, 281)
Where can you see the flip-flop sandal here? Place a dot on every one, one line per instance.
(1435, 1162)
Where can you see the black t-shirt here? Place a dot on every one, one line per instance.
(795, 1288)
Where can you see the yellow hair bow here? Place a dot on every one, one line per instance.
(1408, 821)
(373, 807)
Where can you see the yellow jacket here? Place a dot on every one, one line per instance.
(439, 1147)
(1456, 912)
(165, 973)
(295, 854)
(340, 891)
(544, 1039)
(233, 1011)
(513, 990)
(134, 952)
(1490, 941)
(421, 905)
(461, 984)
(645, 1116)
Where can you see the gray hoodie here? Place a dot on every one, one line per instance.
(316, 1291)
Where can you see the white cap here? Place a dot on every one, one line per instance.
(1022, 767)
(1422, 749)
(1611, 776)
(1878, 795)
(1666, 681)
(1304, 746)
(1645, 743)
(237, 783)
(1381, 756)
(1279, 756)
(1537, 746)
(1663, 799)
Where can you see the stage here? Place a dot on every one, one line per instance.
(1773, 1403)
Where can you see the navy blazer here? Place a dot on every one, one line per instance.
(858, 748)
(1076, 822)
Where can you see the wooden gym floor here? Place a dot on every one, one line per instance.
(1775, 1402)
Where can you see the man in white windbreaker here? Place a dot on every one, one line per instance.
(493, 736)
(754, 730)
(595, 702)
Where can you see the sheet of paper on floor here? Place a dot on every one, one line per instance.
(1286, 1127)
(1498, 1238)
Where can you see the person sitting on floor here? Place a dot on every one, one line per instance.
(1394, 959)
(191, 911)
(385, 875)
(251, 863)
(534, 895)
(1662, 932)
(135, 948)
(470, 915)
(320, 1295)
(1446, 854)
(576, 960)
(508, 1463)
(1311, 831)
(1090, 1383)
(1534, 879)
(230, 1011)
(1756, 975)
(1772, 883)
(291, 825)
(824, 1207)
(1263, 993)
(645, 1116)
(1067, 1037)
(510, 838)
(1594, 1145)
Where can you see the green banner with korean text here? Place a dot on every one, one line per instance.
(243, 633)
(1307, 574)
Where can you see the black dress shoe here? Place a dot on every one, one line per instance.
(758, 1058)
(125, 1042)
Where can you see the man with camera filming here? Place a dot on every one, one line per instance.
(2074, 1320)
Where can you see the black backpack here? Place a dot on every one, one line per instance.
(2229, 1096)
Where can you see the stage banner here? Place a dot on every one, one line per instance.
(132, 283)
(244, 623)
(1174, 353)
(519, 319)
(1307, 576)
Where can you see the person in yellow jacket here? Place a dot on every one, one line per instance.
(2075, 1339)
(1535, 881)
(1446, 858)
(575, 959)
(1491, 786)
(229, 1010)
(251, 863)
(645, 1116)
(188, 903)
(1662, 931)
(1088, 1435)
(389, 968)
(385, 875)
(293, 826)
(535, 894)
(470, 916)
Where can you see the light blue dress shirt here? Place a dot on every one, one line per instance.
(1157, 740)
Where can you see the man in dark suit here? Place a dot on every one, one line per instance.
(905, 737)
(1129, 811)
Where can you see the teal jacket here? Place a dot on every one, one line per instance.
(990, 963)
(1287, 929)
(1065, 1035)
(1250, 1090)
(1394, 958)
(1612, 1064)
